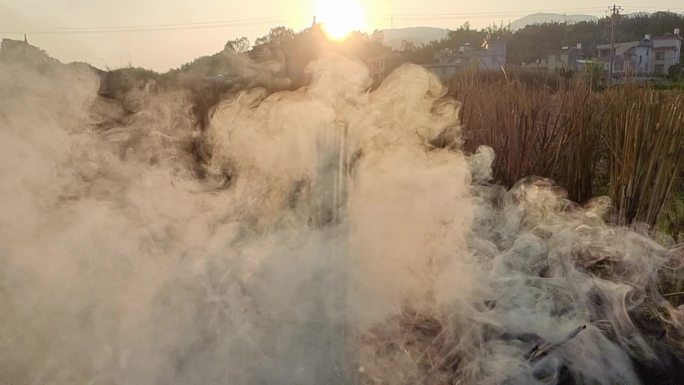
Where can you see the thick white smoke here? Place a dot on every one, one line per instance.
(327, 217)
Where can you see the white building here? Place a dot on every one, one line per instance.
(567, 59)
(490, 56)
(668, 51)
(648, 56)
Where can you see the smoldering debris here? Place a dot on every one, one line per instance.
(548, 310)
(321, 235)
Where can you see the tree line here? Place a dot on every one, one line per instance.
(533, 42)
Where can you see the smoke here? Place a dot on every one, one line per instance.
(334, 235)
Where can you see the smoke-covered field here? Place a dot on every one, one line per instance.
(325, 235)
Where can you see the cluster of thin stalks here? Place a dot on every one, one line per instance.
(625, 142)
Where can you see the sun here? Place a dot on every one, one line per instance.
(339, 17)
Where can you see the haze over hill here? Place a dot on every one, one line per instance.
(45, 23)
(65, 47)
(540, 18)
(417, 35)
(423, 35)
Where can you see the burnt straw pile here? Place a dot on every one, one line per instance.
(188, 229)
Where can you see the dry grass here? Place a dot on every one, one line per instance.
(627, 143)
(411, 348)
(644, 132)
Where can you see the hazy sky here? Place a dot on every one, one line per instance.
(163, 49)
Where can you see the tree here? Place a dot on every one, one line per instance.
(280, 35)
(593, 72)
(464, 35)
(527, 44)
(497, 31)
(408, 46)
(261, 41)
(378, 36)
(240, 45)
(276, 37)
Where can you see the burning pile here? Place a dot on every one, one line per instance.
(323, 235)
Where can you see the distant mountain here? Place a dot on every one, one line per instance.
(417, 35)
(541, 18)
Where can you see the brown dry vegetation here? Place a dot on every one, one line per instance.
(626, 142)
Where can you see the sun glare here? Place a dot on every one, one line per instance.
(339, 17)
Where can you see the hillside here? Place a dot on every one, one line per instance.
(417, 35)
(536, 40)
(541, 18)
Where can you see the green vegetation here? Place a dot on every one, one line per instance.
(536, 41)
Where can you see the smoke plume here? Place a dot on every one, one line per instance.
(324, 235)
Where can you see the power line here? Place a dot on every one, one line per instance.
(450, 15)
(243, 22)
(650, 7)
(275, 20)
(469, 16)
(145, 28)
(263, 19)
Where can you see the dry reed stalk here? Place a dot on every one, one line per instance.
(526, 125)
(645, 137)
(627, 143)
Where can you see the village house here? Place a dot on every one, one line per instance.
(490, 56)
(567, 59)
(668, 51)
(646, 57)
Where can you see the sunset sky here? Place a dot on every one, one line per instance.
(185, 29)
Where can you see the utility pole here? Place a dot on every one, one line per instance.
(615, 10)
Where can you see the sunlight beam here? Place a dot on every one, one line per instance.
(339, 18)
